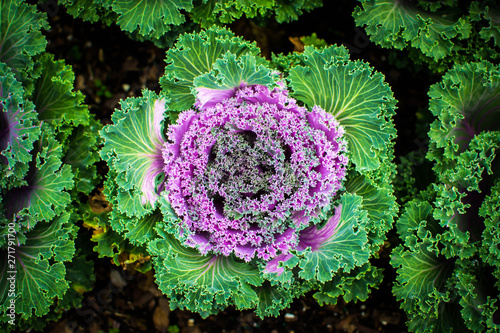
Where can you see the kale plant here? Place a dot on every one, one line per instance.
(439, 33)
(163, 21)
(47, 151)
(448, 263)
(250, 187)
(249, 182)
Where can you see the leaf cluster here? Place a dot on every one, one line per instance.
(214, 62)
(163, 21)
(448, 273)
(48, 147)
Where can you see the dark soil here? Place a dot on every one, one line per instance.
(109, 66)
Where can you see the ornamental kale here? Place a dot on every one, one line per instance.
(47, 150)
(246, 173)
(250, 187)
(165, 20)
(440, 33)
(448, 262)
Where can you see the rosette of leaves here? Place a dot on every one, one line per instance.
(47, 151)
(238, 181)
(34, 199)
(448, 262)
(163, 21)
(439, 33)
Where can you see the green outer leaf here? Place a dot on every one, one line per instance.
(222, 12)
(392, 23)
(344, 250)
(459, 193)
(20, 35)
(448, 319)
(152, 17)
(289, 10)
(54, 98)
(490, 211)
(229, 72)
(133, 149)
(194, 55)
(109, 242)
(81, 278)
(137, 230)
(422, 274)
(489, 13)
(46, 194)
(40, 269)
(417, 220)
(273, 299)
(24, 130)
(466, 103)
(90, 10)
(81, 152)
(201, 283)
(380, 204)
(352, 287)
(474, 164)
(357, 96)
(473, 294)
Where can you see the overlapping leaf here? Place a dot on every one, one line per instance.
(54, 98)
(194, 55)
(20, 35)
(343, 249)
(397, 24)
(202, 283)
(357, 96)
(19, 127)
(353, 286)
(40, 271)
(380, 204)
(229, 73)
(151, 17)
(466, 103)
(133, 149)
(48, 181)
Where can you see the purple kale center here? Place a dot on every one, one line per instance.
(248, 173)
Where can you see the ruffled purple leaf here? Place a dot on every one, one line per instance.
(250, 172)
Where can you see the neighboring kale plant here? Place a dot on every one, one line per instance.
(448, 264)
(440, 33)
(163, 21)
(251, 187)
(48, 145)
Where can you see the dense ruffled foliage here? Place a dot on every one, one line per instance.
(247, 173)
(439, 33)
(163, 21)
(448, 272)
(246, 182)
(47, 151)
(243, 196)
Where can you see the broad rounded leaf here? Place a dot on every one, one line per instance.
(393, 23)
(19, 126)
(357, 96)
(133, 148)
(197, 282)
(194, 55)
(339, 244)
(466, 103)
(151, 17)
(54, 98)
(20, 35)
(40, 271)
(45, 194)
